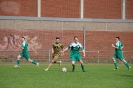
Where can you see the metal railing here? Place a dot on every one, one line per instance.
(45, 56)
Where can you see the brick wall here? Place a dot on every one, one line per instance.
(18, 8)
(104, 9)
(43, 39)
(129, 10)
(61, 8)
(108, 9)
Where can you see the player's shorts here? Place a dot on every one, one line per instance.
(76, 57)
(56, 57)
(26, 55)
(119, 56)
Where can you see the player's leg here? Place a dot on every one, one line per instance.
(59, 62)
(115, 63)
(114, 60)
(82, 65)
(124, 61)
(73, 66)
(18, 61)
(32, 61)
(79, 58)
(73, 59)
(55, 58)
(50, 65)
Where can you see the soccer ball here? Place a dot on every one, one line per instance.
(64, 69)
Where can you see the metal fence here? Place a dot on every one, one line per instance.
(45, 56)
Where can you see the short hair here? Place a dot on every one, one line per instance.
(75, 37)
(57, 38)
(23, 37)
(118, 38)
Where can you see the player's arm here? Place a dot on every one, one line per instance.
(114, 46)
(62, 49)
(23, 45)
(122, 46)
(83, 51)
(52, 50)
(65, 49)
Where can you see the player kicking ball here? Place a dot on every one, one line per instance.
(118, 54)
(25, 54)
(75, 47)
(56, 52)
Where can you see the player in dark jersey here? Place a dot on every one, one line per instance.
(56, 51)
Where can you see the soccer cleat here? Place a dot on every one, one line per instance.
(129, 68)
(16, 66)
(59, 63)
(115, 68)
(72, 70)
(46, 69)
(37, 64)
(84, 71)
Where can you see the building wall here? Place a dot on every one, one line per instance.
(103, 9)
(101, 34)
(107, 9)
(18, 8)
(61, 8)
(129, 10)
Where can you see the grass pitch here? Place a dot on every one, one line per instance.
(96, 76)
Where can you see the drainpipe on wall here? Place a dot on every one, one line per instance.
(38, 8)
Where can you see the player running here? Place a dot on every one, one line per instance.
(75, 47)
(56, 52)
(118, 54)
(25, 54)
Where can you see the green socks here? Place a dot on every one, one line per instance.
(33, 62)
(82, 66)
(115, 64)
(126, 63)
(73, 67)
(18, 62)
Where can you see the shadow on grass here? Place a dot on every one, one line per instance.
(127, 75)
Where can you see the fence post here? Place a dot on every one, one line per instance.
(49, 56)
(98, 56)
(84, 28)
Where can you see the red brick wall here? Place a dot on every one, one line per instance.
(18, 8)
(61, 8)
(104, 9)
(129, 10)
(108, 9)
(43, 39)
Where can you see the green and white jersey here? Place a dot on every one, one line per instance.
(118, 45)
(25, 47)
(75, 48)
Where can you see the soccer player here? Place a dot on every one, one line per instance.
(25, 54)
(75, 48)
(118, 53)
(56, 52)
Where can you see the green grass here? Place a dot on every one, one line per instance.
(97, 76)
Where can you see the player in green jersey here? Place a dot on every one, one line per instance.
(118, 53)
(56, 52)
(25, 53)
(75, 48)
